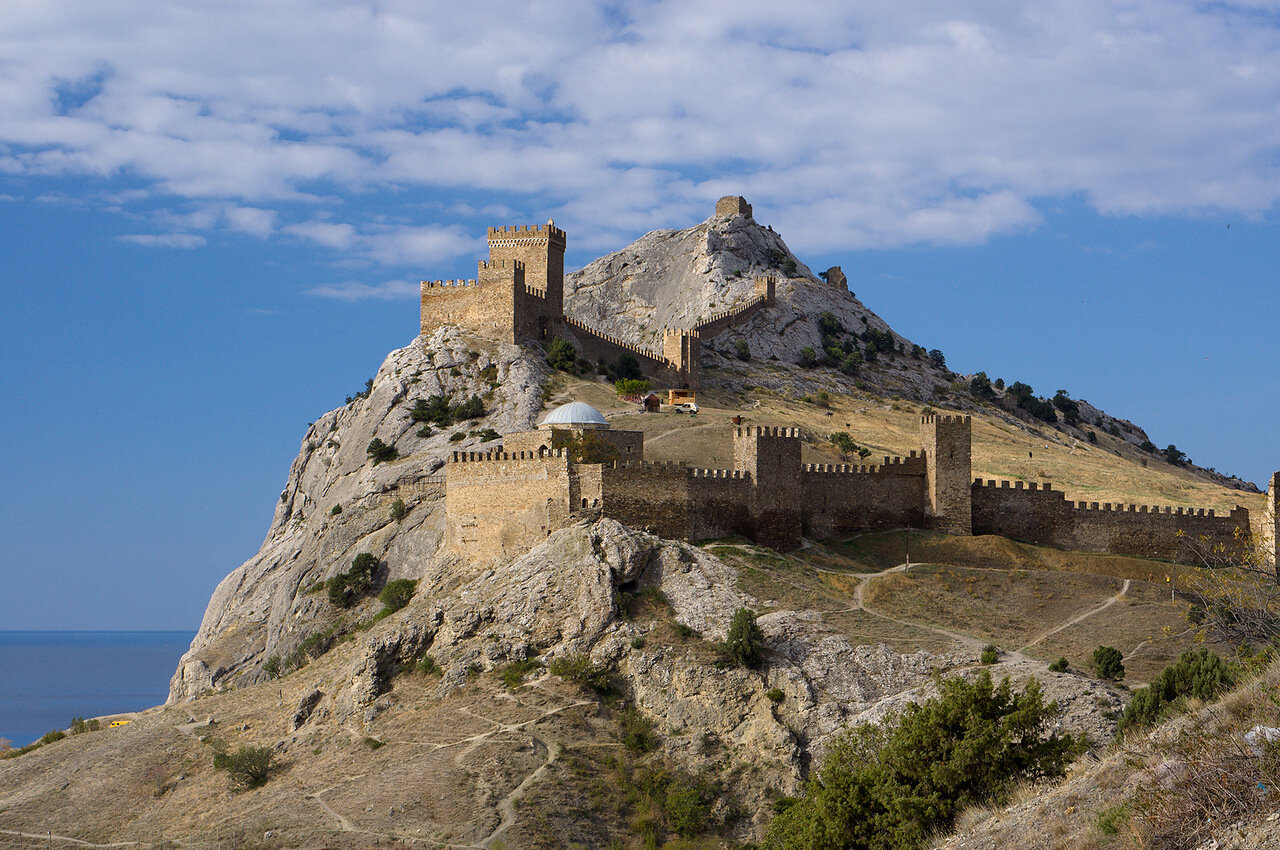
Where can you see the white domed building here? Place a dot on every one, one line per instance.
(569, 423)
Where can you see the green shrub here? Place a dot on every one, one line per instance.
(741, 349)
(79, 725)
(396, 594)
(744, 645)
(380, 452)
(895, 784)
(577, 667)
(427, 666)
(990, 655)
(635, 731)
(472, 408)
(637, 642)
(272, 666)
(424, 432)
(335, 510)
(561, 355)
(808, 357)
(513, 674)
(1107, 662)
(345, 589)
(399, 510)
(457, 436)
(1059, 666)
(1109, 820)
(774, 695)
(486, 435)
(1197, 673)
(248, 767)
(630, 386)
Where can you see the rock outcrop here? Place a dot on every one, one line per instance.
(336, 503)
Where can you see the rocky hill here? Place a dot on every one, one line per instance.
(541, 701)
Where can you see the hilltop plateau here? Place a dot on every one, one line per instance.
(578, 693)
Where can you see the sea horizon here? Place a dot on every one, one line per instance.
(49, 676)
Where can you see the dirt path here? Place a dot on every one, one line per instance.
(507, 806)
(1080, 617)
(66, 839)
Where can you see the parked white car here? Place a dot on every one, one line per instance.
(687, 407)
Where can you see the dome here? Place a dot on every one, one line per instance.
(576, 414)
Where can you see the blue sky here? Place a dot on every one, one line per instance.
(214, 219)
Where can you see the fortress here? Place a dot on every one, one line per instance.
(517, 296)
(500, 503)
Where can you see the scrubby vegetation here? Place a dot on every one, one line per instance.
(441, 410)
(893, 785)
(744, 644)
(396, 594)
(1198, 674)
(1107, 662)
(347, 588)
(248, 767)
(380, 452)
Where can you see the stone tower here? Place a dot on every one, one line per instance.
(772, 457)
(947, 442)
(731, 205)
(1267, 532)
(541, 250)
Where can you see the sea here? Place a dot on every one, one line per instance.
(47, 678)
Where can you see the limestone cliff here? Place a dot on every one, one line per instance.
(336, 503)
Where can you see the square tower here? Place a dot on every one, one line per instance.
(1266, 533)
(731, 205)
(541, 249)
(948, 443)
(772, 457)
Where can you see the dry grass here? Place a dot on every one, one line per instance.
(1110, 471)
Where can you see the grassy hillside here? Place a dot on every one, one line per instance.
(1003, 447)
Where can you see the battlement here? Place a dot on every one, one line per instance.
(495, 455)
(496, 265)
(731, 312)
(613, 340)
(945, 419)
(910, 465)
(1017, 485)
(1165, 510)
(535, 292)
(767, 431)
(527, 232)
(732, 474)
(448, 284)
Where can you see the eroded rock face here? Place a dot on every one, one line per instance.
(262, 608)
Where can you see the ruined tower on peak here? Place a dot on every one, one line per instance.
(731, 205)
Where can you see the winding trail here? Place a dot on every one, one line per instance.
(1081, 617)
(506, 806)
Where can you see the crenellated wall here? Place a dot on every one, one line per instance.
(1044, 515)
(499, 503)
(840, 499)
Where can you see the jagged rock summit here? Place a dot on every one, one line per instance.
(679, 278)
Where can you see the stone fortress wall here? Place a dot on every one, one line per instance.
(518, 296)
(499, 503)
(772, 498)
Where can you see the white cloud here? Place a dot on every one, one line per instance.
(391, 290)
(164, 240)
(324, 233)
(903, 123)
